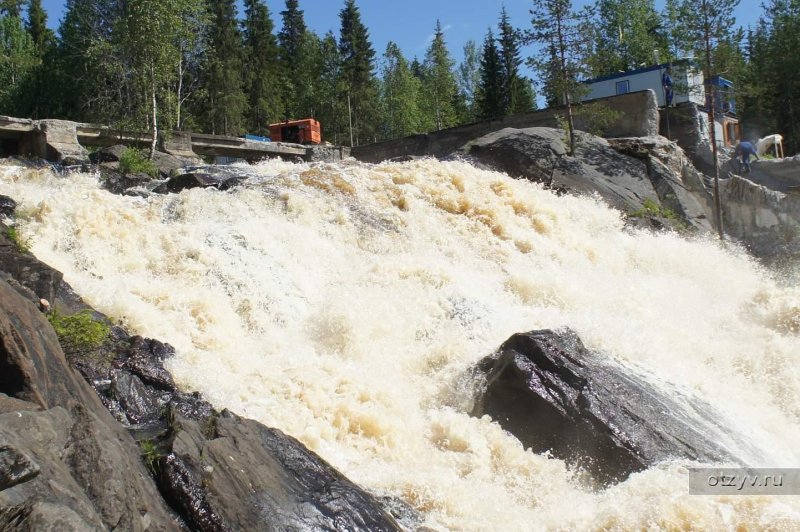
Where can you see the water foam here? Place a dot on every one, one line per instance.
(344, 303)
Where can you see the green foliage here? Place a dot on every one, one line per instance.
(22, 244)
(518, 94)
(490, 102)
(400, 93)
(566, 35)
(134, 161)
(18, 61)
(78, 333)
(651, 208)
(596, 118)
(150, 455)
(628, 32)
(439, 88)
(225, 99)
(357, 65)
(262, 69)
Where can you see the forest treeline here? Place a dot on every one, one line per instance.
(200, 65)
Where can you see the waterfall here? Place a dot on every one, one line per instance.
(345, 303)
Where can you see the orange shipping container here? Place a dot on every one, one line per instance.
(306, 131)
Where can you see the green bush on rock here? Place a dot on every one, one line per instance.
(78, 333)
(133, 161)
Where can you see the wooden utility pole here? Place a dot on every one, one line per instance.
(712, 130)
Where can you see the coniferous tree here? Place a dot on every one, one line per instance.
(37, 26)
(358, 63)
(90, 63)
(563, 31)
(262, 69)
(328, 90)
(439, 83)
(294, 55)
(225, 98)
(517, 92)
(11, 8)
(707, 22)
(490, 100)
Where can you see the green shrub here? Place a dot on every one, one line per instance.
(596, 118)
(22, 244)
(79, 332)
(133, 161)
(150, 455)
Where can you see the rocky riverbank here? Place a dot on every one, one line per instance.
(100, 438)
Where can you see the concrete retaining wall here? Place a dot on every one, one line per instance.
(638, 118)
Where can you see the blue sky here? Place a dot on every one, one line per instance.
(410, 23)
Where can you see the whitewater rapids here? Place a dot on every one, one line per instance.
(344, 304)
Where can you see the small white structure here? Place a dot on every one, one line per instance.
(687, 83)
(770, 142)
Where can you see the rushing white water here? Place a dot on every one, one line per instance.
(344, 303)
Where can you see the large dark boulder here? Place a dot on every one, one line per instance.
(540, 154)
(553, 394)
(219, 177)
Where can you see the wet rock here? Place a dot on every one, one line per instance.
(218, 177)
(118, 183)
(15, 467)
(138, 403)
(540, 154)
(88, 463)
(235, 472)
(26, 270)
(7, 206)
(553, 394)
(109, 154)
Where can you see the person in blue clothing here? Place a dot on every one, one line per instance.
(666, 82)
(745, 150)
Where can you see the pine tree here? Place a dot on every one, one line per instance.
(331, 113)
(358, 63)
(517, 92)
(294, 51)
(262, 69)
(708, 22)
(563, 31)
(490, 95)
(90, 63)
(37, 26)
(225, 98)
(439, 83)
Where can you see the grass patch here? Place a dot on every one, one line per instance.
(133, 161)
(150, 455)
(23, 244)
(78, 333)
(651, 208)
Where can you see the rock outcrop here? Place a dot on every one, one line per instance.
(116, 445)
(553, 394)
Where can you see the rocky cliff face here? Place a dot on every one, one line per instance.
(114, 445)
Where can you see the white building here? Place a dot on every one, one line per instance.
(688, 88)
(687, 83)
